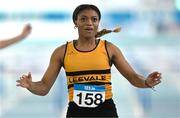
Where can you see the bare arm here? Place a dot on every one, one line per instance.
(127, 71)
(43, 86)
(6, 42)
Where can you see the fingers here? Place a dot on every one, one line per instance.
(24, 81)
(155, 75)
(27, 29)
(20, 82)
(29, 75)
(26, 76)
(156, 78)
(28, 26)
(157, 81)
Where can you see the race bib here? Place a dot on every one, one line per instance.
(86, 95)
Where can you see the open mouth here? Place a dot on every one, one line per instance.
(89, 29)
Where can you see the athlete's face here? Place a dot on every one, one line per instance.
(87, 23)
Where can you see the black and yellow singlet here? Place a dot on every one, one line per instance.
(88, 72)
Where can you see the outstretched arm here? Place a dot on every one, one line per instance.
(6, 42)
(127, 71)
(43, 86)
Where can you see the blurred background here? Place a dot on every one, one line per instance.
(150, 41)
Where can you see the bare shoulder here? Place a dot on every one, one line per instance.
(110, 45)
(115, 53)
(60, 49)
(58, 53)
(112, 49)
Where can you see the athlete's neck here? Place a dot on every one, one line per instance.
(86, 44)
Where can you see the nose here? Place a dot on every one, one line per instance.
(89, 22)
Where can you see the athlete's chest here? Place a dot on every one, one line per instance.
(86, 61)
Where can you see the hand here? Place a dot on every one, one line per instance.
(26, 30)
(153, 79)
(25, 81)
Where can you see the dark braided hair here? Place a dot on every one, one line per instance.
(105, 31)
(83, 7)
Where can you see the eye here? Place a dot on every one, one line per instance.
(83, 19)
(94, 19)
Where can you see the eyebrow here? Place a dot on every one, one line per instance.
(87, 16)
